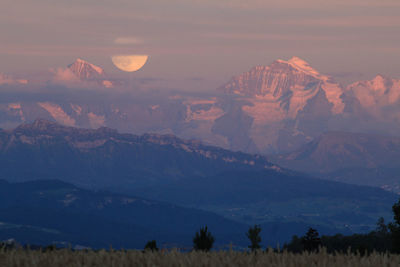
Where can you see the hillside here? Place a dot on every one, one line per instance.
(47, 211)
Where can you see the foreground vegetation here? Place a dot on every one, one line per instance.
(35, 258)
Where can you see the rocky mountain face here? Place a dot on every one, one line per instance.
(349, 157)
(269, 109)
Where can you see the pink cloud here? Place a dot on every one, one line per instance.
(64, 75)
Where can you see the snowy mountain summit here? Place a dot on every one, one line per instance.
(302, 66)
(85, 70)
(290, 83)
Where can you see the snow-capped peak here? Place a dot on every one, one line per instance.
(303, 66)
(85, 70)
(96, 68)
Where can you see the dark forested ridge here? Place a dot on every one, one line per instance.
(41, 212)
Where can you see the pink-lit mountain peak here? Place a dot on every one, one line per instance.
(85, 70)
(303, 66)
(277, 78)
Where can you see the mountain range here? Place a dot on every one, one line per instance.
(269, 109)
(241, 187)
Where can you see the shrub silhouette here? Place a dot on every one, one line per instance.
(151, 246)
(253, 235)
(203, 240)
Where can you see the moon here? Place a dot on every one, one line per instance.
(129, 63)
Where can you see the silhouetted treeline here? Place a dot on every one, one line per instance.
(373, 241)
(385, 238)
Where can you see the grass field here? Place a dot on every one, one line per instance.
(69, 258)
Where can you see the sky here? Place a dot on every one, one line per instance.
(202, 39)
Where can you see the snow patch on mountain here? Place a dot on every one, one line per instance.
(76, 108)
(264, 112)
(333, 93)
(16, 109)
(202, 110)
(107, 84)
(57, 113)
(95, 120)
(303, 66)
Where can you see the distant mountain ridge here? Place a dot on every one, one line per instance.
(349, 157)
(142, 159)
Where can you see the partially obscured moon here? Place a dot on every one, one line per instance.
(129, 63)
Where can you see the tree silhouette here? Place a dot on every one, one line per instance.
(151, 246)
(311, 240)
(203, 240)
(253, 235)
(395, 227)
(381, 227)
